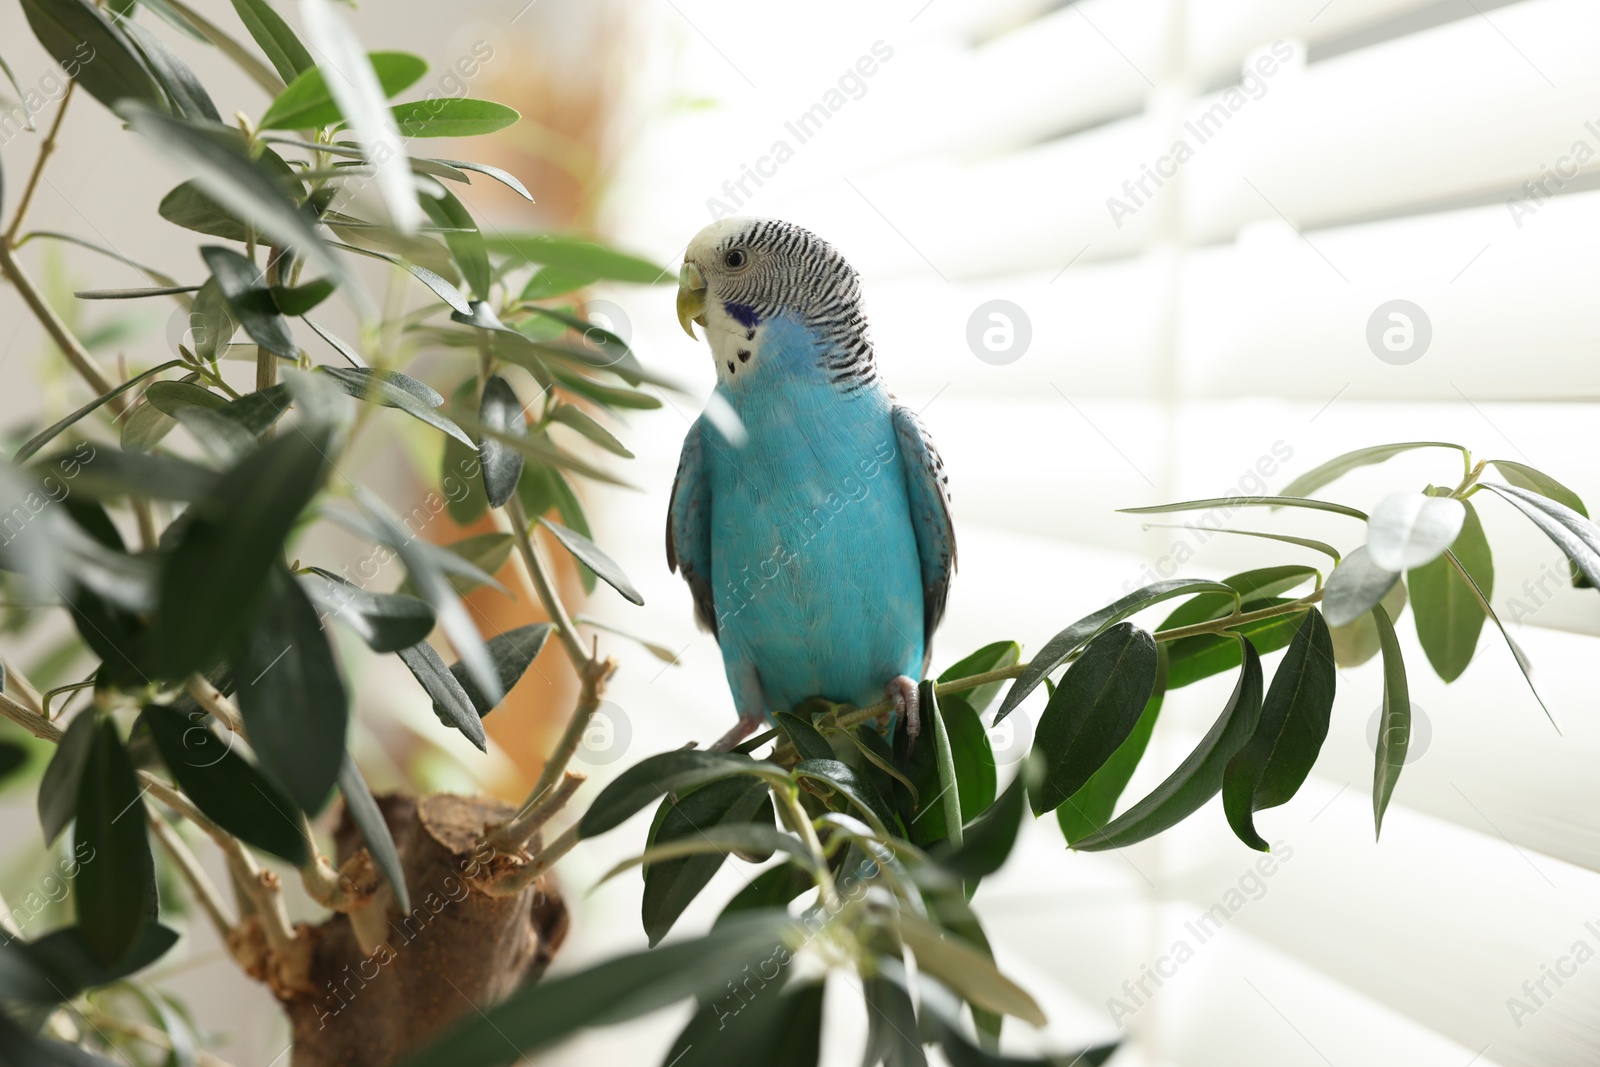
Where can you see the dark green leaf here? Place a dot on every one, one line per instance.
(224, 785)
(1516, 652)
(387, 622)
(990, 657)
(212, 324)
(291, 695)
(773, 1029)
(173, 75)
(1063, 644)
(256, 412)
(306, 102)
(368, 817)
(1092, 806)
(63, 955)
(1525, 477)
(288, 56)
(440, 286)
(774, 887)
(1356, 642)
(1448, 616)
(505, 177)
(581, 421)
(113, 473)
(892, 1032)
(501, 465)
(852, 785)
(250, 300)
(480, 558)
(1394, 729)
(93, 51)
(1355, 587)
(580, 257)
(1572, 532)
(58, 789)
(671, 885)
(1274, 763)
(513, 652)
(49, 433)
(589, 554)
(539, 1014)
(395, 390)
(466, 243)
(224, 555)
(115, 892)
(451, 703)
(804, 737)
(1092, 711)
(1199, 777)
(461, 472)
(988, 839)
(653, 777)
(1317, 477)
(189, 206)
(1191, 659)
(446, 116)
(302, 298)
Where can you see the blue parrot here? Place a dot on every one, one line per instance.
(811, 513)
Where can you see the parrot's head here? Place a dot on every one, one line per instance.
(741, 275)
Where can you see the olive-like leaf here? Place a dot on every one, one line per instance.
(1355, 587)
(114, 895)
(393, 389)
(580, 256)
(306, 102)
(58, 789)
(590, 555)
(853, 786)
(1448, 616)
(283, 49)
(1408, 530)
(1092, 806)
(505, 177)
(1199, 777)
(173, 75)
(651, 778)
(1274, 763)
(513, 652)
(368, 817)
(93, 49)
(501, 464)
(1572, 532)
(1229, 503)
(466, 243)
(250, 299)
(1394, 728)
(1536, 481)
(451, 703)
(671, 886)
(387, 622)
(965, 969)
(781, 1028)
(1317, 477)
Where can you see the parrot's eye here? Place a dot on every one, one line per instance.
(735, 258)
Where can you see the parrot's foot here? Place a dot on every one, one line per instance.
(902, 693)
(746, 726)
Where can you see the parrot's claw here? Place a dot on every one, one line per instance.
(746, 726)
(902, 693)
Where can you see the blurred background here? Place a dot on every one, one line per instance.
(1116, 252)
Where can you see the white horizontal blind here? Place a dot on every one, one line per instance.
(1214, 341)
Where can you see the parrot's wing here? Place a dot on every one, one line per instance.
(689, 526)
(928, 489)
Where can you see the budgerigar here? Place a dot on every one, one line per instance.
(814, 530)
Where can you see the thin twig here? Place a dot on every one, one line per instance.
(150, 1035)
(70, 346)
(46, 146)
(212, 699)
(517, 831)
(524, 876)
(539, 575)
(205, 893)
(31, 721)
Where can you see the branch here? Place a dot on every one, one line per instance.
(522, 877)
(539, 575)
(516, 832)
(205, 893)
(47, 146)
(29, 720)
(150, 1035)
(76, 354)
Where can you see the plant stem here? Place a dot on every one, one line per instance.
(794, 813)
(539, 575)
(210, 697)
(540, 810)
(205, 893)
(524, 876)
(31, 721)
(46, 147)
(76, 354)
(150, 1035)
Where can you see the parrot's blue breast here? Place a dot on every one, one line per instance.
(815, 576)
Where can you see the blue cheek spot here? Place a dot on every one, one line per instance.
(743, 314)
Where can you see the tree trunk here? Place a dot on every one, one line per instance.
(457, 949)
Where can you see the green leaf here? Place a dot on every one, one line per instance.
(485, 553)
(1199, 777)
(1355, 587)
(505, 177)
(224, 785)
(581, 421)
(651, 778)
(387, 622)
(451, 704)
(513, 652)
(440, 286)
(172, 397)
(1408, 530)
(283, 49)
(608, 396)
(501, 465)
(187, 205)
(987, 840)
(393, 389)
(804, 737)
(945, 761)
(256, 412)
(1058, 648)
(589, 554)
(539, 1014)
(461, 472)
(368, 817)
(672, 885)
(94, 52)
(63, 955)
(250, 300)
(1525, 477)
(1516, 652)
(1444, 608)
(51, 432)
(1230, 503)
(222, 559)
(774, 1029)
(892, 1037)
(547, 282)
(966, 970)
(1191, 659)
(172, 74)
(291, 696)
(1394, 732)
(306, 102)
(1572, 532)
(299, 299)
(1274, 763)
(466, 243)
(112, 473)
(853, 786)
(58, 789)
(1317, 477)
(447, 116)
(216, 158)
(1356, 642)
(990, 657)
(212, 325)
(578, 256)
(1093, 710)
(774, 887)
(114, 896)
(1092, 806)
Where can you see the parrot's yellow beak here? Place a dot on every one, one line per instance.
(691, 297)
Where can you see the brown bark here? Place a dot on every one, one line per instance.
(457, 949)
